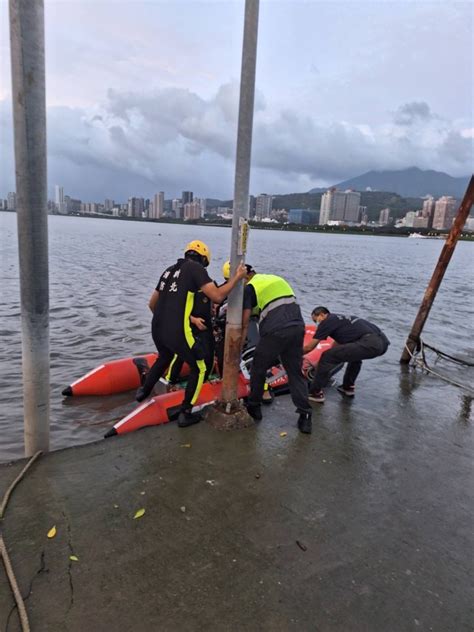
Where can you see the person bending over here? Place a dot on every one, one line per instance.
(356, 339)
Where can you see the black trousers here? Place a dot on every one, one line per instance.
(193, 356)
(369, 346)
(206, 339)
(288, 345)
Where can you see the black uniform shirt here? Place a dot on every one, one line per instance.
(279, 318)
(177, 286)
(344, 329)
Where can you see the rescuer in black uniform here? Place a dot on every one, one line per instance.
(357, 340)
(172, 304)
(281, 328)
(201, 326)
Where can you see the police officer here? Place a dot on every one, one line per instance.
(172, 303)
(282, 329)
(357, 340)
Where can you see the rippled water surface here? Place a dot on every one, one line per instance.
(102, 273)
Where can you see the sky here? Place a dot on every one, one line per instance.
(143, 96)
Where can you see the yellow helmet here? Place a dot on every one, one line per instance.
(199, 247)
(226, 270)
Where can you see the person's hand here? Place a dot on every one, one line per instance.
(198, 322)
(241, 271)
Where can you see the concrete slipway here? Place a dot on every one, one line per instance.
(365, 525)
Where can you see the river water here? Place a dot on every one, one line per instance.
(102, 273)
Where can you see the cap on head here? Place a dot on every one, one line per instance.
(200, 248)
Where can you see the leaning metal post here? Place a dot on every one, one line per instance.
(241, 200)
(29, 118)
(438, 274)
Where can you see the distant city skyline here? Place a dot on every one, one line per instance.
(337, 208)
(149, 99)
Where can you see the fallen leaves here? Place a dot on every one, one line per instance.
(52, 532)
(139, 514)
(185, 445)
(74, 558)
(283, 434)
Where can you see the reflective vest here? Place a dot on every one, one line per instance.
(271, 291)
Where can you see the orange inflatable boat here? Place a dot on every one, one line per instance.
(114, 377)
(127, 374)
(164, 408)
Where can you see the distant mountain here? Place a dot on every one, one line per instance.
(412, 182)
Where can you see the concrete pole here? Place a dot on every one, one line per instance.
(438, 274)
(29, 117)
(233, 335)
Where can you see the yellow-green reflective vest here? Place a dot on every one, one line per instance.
(269, 288)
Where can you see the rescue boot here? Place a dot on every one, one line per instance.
(142, 394)
(305, 424)
(188, 418)
(268, 397)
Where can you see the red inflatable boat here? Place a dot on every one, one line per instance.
(164, 408)
(114, 377)
(127, 374)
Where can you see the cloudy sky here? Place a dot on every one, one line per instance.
(142, 96)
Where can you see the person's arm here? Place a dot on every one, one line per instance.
(309, 346)
(218, 294)
(153, 300)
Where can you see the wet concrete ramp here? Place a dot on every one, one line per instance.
(366, 525)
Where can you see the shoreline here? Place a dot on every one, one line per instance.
(294, 228)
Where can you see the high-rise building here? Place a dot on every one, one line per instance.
(444, 212)
(59, 198)
(136, 206)
(177, 208)
(109, 205)
(351, 207)
(187, 197)
(11, 201)
(263, 206)
(339, 206)
(252, 204)
(384, 217)
(428, 210)
(192, 210)
(428, 206)
(158, 205)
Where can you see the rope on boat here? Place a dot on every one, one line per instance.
(421, 362)
(25, 624)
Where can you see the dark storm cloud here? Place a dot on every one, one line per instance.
(413, 113)
(173, 139)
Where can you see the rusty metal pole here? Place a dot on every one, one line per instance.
(29, 118)
(233, 336)
(438, 274)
